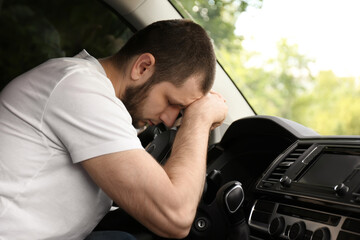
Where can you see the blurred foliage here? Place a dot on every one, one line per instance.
(218, 17)
(281, 86)
(332, 106)
(32, 31)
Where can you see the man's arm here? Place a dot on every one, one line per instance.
(164, 199)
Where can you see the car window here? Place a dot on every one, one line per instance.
(33, 31)
(296, 59)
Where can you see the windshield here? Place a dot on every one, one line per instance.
(297, 59)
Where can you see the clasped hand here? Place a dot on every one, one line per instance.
(211, 109)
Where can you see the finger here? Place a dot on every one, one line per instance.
(215, 125)
(217, 94)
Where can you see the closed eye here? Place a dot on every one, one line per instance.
(179, 105)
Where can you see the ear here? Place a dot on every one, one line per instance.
(143, 67)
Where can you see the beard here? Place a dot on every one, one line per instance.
(134, 99)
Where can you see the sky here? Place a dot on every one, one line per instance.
(327, 31)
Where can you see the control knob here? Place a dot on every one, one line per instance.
(341, 189)
(276, 226)
(297, 231)
(285, 181)
(321, 234)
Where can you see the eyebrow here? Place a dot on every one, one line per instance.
(174, 102)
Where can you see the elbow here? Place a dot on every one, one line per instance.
(178, 234)
(182, 231)
(181, 222)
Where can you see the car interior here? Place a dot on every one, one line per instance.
(268, 177)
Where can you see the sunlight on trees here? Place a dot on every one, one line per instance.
(284, 85)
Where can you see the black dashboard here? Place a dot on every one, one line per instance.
(297, 184)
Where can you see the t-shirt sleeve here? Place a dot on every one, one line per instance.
(84, 116)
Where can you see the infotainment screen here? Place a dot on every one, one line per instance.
(330, 169)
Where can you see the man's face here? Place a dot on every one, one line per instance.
(161, 102)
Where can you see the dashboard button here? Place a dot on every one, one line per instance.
(341, 189)
(285, 181)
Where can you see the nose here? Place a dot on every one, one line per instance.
(169, 115)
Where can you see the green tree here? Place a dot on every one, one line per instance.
(214, 13)
(283, 85)
(271, 85)
(332, 107)
(291, 76)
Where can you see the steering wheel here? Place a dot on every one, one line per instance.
(157, 140)
(219, 214)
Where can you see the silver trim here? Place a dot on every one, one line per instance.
(226, 196)
(310, 225)
(303, 161)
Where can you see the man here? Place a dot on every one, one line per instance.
(68, 145)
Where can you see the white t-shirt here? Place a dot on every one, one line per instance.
(51, 118)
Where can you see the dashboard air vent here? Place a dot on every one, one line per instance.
(286, 163)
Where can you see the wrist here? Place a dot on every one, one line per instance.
(196, 121)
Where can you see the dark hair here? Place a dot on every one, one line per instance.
(181, 48)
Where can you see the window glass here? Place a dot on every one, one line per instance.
(33, 31)
(297, 59)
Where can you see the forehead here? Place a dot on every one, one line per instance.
(185, 94)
